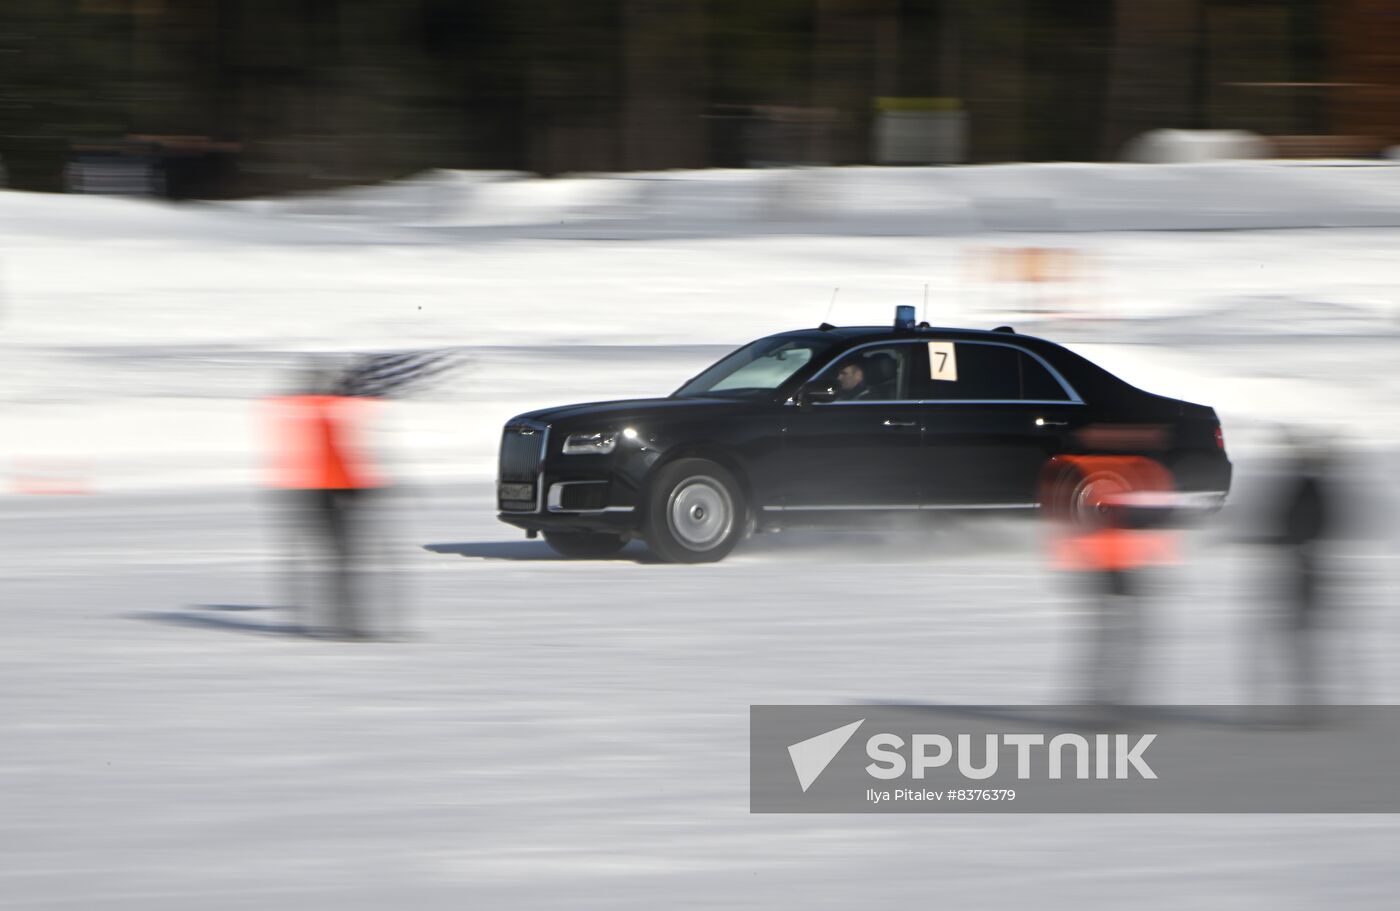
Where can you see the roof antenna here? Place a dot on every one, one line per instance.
(924, 316)
(831, 305)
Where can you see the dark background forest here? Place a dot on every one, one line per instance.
(259, 96)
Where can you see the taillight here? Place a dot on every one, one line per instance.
(1219, 438)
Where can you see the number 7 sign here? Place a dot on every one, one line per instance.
(942, 362)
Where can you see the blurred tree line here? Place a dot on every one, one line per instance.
(287, 94)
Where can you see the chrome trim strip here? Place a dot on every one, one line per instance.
(555, 500)
(999, 402)
(839, 508)
(902, 507)
(539, 482)
(947, 402)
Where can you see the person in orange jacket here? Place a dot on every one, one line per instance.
(322, 465)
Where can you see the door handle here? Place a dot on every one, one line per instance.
(889, 423)
(1041, 422)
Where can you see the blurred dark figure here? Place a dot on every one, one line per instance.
(322, 466)
(1300, 519)
(1116, 642)
(1109, 515)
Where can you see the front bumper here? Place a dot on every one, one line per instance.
(541, 489)
(578, 503)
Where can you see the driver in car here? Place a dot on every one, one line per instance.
(850, 382)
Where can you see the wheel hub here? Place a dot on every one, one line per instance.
(700, 513)
(1089, 499)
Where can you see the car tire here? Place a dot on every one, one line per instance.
(584, 544)
(695, 512)
(1073, 492)
(1076, 490)
(1088, 495)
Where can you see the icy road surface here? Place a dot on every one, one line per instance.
(558, 734)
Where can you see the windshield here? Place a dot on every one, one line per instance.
(757, 369)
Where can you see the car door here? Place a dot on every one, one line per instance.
(861, 451)
(993, 415)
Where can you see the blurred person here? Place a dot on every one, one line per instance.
(334, 491)
(1109, 515)
(1300, 519)
(323, 469)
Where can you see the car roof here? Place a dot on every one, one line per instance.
(860, 334)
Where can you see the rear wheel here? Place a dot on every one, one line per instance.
(1080, 489)
(1075, 491)
(695, 513)
(584, 544)
(1089, 496)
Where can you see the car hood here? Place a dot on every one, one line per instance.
(628, 409)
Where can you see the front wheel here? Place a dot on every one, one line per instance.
(695, 513)
(584, 544)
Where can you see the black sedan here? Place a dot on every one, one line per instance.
(846, 424)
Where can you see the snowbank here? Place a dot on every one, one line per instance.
(1209, 195)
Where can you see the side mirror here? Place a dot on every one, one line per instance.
(816, 395)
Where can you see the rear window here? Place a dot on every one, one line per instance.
(1038, 384)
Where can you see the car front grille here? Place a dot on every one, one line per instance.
(522, 454)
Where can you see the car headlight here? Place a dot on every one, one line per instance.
(590, 443)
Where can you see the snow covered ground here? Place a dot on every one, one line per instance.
(574, 734)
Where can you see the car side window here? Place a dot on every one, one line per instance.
(871, 375)
(978, 372)
(1037, 384)
(972, 371)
